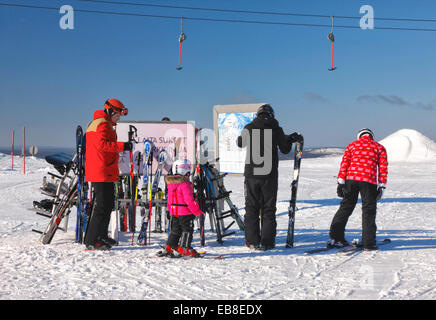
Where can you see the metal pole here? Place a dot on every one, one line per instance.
(13, 138)
(24, 150)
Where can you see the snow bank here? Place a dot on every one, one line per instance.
(410, 146)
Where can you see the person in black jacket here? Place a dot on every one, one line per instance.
(262, 138)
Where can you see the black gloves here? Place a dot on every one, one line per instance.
(340, 190)
(380, 190)
(128, 146)
(295, 137)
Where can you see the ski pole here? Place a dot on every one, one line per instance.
(150, 200)
(132, 133)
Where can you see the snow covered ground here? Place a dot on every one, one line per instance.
(404, 269)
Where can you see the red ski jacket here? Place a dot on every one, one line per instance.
(362, 160)
(102, 148)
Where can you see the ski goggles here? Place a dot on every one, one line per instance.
(123, 111)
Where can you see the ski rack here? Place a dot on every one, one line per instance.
(123, 204)
(216, 196)
(63, 200)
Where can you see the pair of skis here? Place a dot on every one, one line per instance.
(349, 250)
(149, 190)
(82, 186)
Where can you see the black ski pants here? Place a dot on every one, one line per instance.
(104, 199)
(368, 193)
(183, 224)
(260, 210)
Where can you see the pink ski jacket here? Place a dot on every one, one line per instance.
(181, 197)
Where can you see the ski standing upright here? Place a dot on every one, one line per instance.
(294, 188)
(142, 239)
(133, 132)
(82, 186)
(161, 162)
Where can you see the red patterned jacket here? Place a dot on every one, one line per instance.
(362, 160)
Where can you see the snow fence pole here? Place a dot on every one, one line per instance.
(24, 150)
(13, 143)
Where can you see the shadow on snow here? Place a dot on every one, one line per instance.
(319, 203)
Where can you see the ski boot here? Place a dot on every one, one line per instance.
(332, 243)
(99, 246)
(107, 241)
(266, 247)
(189, 252)
(251, 246)
(370, 248)
(169, 252)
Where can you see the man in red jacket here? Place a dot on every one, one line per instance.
(101, 168)
(364, 170)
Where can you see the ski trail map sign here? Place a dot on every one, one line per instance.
(229, 120)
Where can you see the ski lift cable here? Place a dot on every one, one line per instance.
(253, 12)
(215, 19)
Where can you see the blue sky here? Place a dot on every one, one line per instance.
(54, 79)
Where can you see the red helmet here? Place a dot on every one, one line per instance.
(116, 106)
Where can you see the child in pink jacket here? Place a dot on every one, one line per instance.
(183, 209)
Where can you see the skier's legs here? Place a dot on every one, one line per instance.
(187, 226)
(103, 204)
(348, 203)
(175, 233)
(269, 223)
(109, 199)
(368, 192)
(252, 207)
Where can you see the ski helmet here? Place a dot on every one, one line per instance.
(165, 119)
(114, 105)
(266, 109)
(365, 131)
(182, 167)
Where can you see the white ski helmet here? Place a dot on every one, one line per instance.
(182, 167)
(365, 131)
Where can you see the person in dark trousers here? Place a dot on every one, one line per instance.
(101, 169)
(364, 171)
(262, 138)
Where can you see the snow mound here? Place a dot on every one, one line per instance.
(410, 146)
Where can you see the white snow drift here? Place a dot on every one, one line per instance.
(409, 145)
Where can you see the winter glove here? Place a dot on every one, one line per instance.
(340, 190)
(295, 137)
(380, 190)
(341, 187)
(128, 146)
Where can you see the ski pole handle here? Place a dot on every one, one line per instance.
(133, 132)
